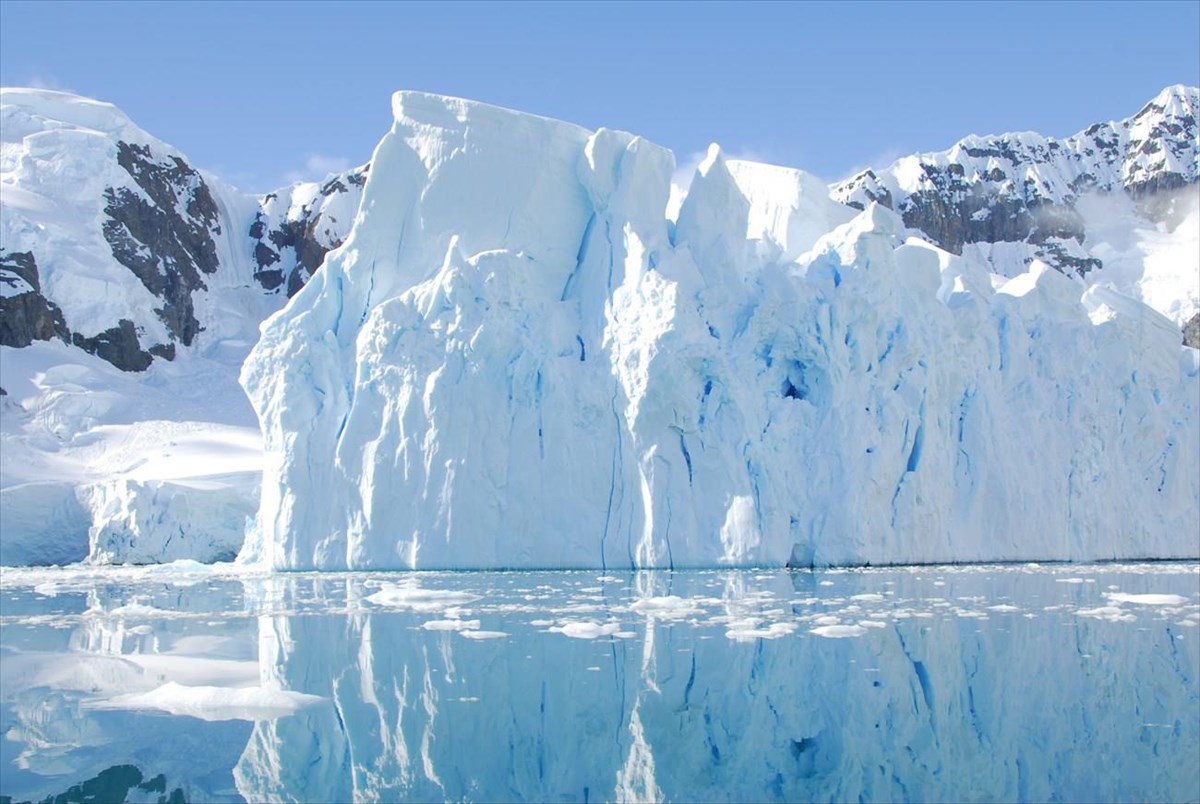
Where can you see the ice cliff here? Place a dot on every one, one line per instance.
(517, 360)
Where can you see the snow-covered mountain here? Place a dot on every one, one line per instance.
(132, 287)
(114, 243)
(556, 375)
(1077, 204)
(294, 228)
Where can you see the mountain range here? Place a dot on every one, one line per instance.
(133, 286)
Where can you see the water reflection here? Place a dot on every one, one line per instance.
(117, 783)
(976, 683)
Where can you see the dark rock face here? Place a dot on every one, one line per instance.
(165, 238)
(118, 345)
(1191, 332)
(25, 314)
(1023, 188)
(289, 251)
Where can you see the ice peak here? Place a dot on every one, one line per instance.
(1176, 100)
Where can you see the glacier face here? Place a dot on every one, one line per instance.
(517, 360)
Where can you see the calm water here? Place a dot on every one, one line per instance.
(1073, 683)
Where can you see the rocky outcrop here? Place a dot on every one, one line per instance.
(119, 345)
(1191, 332)
(164, 234)
(25, 314)
(294, 229)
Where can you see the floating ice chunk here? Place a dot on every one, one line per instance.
(485, 634)
(1114, 614)
(587, 629)
(450, 625)
(669, 607)
(137, 610)
(772, 631)
(214, 703)
(420, 599)
(1147, 599)
(839, 631)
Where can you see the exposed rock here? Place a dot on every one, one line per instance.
(25, 314)
(1191, 332)
(119, 345)
(166, 237)
(293, 233)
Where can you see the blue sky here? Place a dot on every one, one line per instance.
(261, 93)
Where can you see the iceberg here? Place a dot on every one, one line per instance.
(517, 360)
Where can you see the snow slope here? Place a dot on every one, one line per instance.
(517, 360)
(117, 467)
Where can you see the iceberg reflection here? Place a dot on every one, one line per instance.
(903, 684)
(965, 683)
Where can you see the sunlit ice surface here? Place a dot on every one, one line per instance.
(965, 683)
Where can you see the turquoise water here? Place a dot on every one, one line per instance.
(976, 683)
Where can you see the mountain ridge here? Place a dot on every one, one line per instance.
(1024, 188)
(177, 231)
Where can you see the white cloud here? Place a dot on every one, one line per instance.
(881, 160)
(48, 82)
(317, 167)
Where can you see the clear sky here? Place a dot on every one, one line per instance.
(262, 93)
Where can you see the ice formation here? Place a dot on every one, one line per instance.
(517, 360)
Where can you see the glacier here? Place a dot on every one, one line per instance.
(516, 359)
